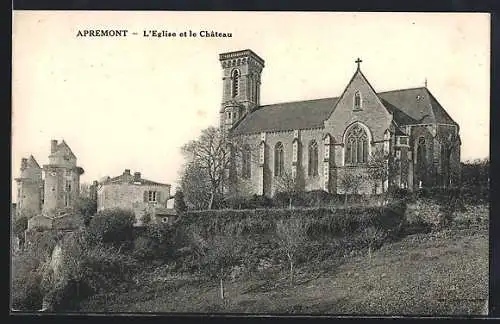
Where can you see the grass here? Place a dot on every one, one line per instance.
(443, 273)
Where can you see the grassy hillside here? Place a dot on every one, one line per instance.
(444, 272)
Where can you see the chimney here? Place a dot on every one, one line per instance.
(24, 163)
(126, 172)
(137, 176)
(53, 146)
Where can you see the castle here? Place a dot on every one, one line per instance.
(318, 142)
(58, 189)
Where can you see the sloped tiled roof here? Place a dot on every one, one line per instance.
(130, 180)
(409, 106)
(287, 116)
(415, 106)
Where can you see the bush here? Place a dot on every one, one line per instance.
(260, 201)
(20, 225)
(155, 242)
(86, 208)
(112, 226)
(26, 292)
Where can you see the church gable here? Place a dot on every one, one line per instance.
(359, 103)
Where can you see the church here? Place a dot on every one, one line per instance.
(319, 142)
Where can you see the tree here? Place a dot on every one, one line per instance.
(86, 207)
(378, 168)
(292, 234)
(212, 157)
(179, 203)
(288, 186)
(351, 183)
(195, 186)
(20, 225)
(85, 190)
(373, 235)
(218, 253)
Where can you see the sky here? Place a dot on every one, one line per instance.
(132, 102)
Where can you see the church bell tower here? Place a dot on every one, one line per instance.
(240, 85)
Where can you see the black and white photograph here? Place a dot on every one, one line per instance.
(231, 162)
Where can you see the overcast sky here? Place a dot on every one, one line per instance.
(130, 103)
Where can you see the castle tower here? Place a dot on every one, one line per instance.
(241, 85)
(29, 188)
(62, 178)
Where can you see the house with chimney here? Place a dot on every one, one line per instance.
(132, 191)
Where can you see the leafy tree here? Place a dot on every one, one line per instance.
(292, 234)
(86, 207)
(195, 186)
(20, 225)
(179, 203)
(350, 183)
(378, 168)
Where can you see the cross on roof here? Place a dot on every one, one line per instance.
(358, 61)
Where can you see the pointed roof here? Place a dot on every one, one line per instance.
(63, 147)
(32, 163)
(408, 106)
(359, 74)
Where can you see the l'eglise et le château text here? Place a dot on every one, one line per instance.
(150, 33)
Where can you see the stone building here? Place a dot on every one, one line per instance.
(317, 142)
(62, 178)
(132, 192)
(51, 188)
(29, 188)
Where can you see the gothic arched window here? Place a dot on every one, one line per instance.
(357, 100)
(279, 162)
(246, 159)
(235, 79)
(313, 159)
(356, 145)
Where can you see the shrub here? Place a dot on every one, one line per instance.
(112, 226)
(86, 208)
(20, 225)
(26, 292)
(260, 201)
(155, 242)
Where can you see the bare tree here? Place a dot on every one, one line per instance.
(373, 235)
(288, 185)
(85, 190)
(350, 183)
(221, 256)
(449, 143)
(215, 155)
(292, 234)
(378, 170)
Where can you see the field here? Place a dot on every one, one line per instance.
(443, 272)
